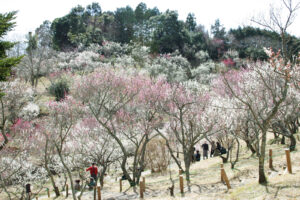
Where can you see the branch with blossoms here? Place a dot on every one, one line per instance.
(262, 88)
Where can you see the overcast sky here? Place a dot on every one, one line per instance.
(232, 13)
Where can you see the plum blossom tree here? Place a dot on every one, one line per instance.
(190, 119)
(15, 98)
(287, 122)
(17, 167)
(37, 61)
(93, 145)
(261, 89)
(235, 123)
(119, 104)
(63, 116)
(279, 19)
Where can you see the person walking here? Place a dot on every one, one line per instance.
(93, 171)
(205, 150)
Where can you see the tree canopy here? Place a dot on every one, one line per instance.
(6, 63)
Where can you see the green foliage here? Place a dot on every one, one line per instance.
(6, 25)
(142, 27)
(218, 30)
(169, 34)
(124, 22)
(191, 22)
(59, 89)
(60, 28)
(198, 41)
(174, 68)
(80, 26)
(249, 42)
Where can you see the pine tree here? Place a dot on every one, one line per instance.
(6, 63)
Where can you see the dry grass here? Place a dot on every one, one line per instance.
(206, 184)
(205, 177)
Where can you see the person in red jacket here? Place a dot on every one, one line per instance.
(93, 171)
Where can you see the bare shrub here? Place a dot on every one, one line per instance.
(157, 155)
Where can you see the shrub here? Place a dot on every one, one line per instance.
(157, 158)
(59, 89)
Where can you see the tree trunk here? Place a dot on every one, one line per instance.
(225, 159)
(283, 140)
(261, 160)
(293, 143)
(102, 174)
(249, 145)
(175, 158)
(187, 164)
(68, 172)
(55, 188)
(237, 154)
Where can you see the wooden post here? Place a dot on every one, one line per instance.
(141, 190)
(181, 184)
(121, 184)
(225, 178)
(180, 172)
(270, 159)
(222, 180)
(67, 190)
(95, 193)
(288, 160)
(48, 192)
(144, 183)
(36, 198)
(99, 192)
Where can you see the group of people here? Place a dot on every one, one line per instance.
(216, 150)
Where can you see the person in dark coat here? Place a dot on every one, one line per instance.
(205, 150)
(197, 155)
(218, 149)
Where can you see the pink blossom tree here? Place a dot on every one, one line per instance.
(188, 119)
(63, 116)
(94, 145)
(13, 99)
(286, 123)
(16, 165)
(261, 89)
(122, 108)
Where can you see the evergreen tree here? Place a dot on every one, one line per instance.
(218, 30)
(6, 63)
(191, 22)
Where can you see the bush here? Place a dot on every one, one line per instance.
(59, 89)
(156, 157)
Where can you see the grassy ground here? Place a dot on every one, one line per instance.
(206, 184)
(205, 177)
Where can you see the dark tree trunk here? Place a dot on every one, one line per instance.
(283, 140)
(237, 155)
(293, 143)
(261, 160)
(261, 172)
(249, 145)
(187, 164)
(102, 174)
